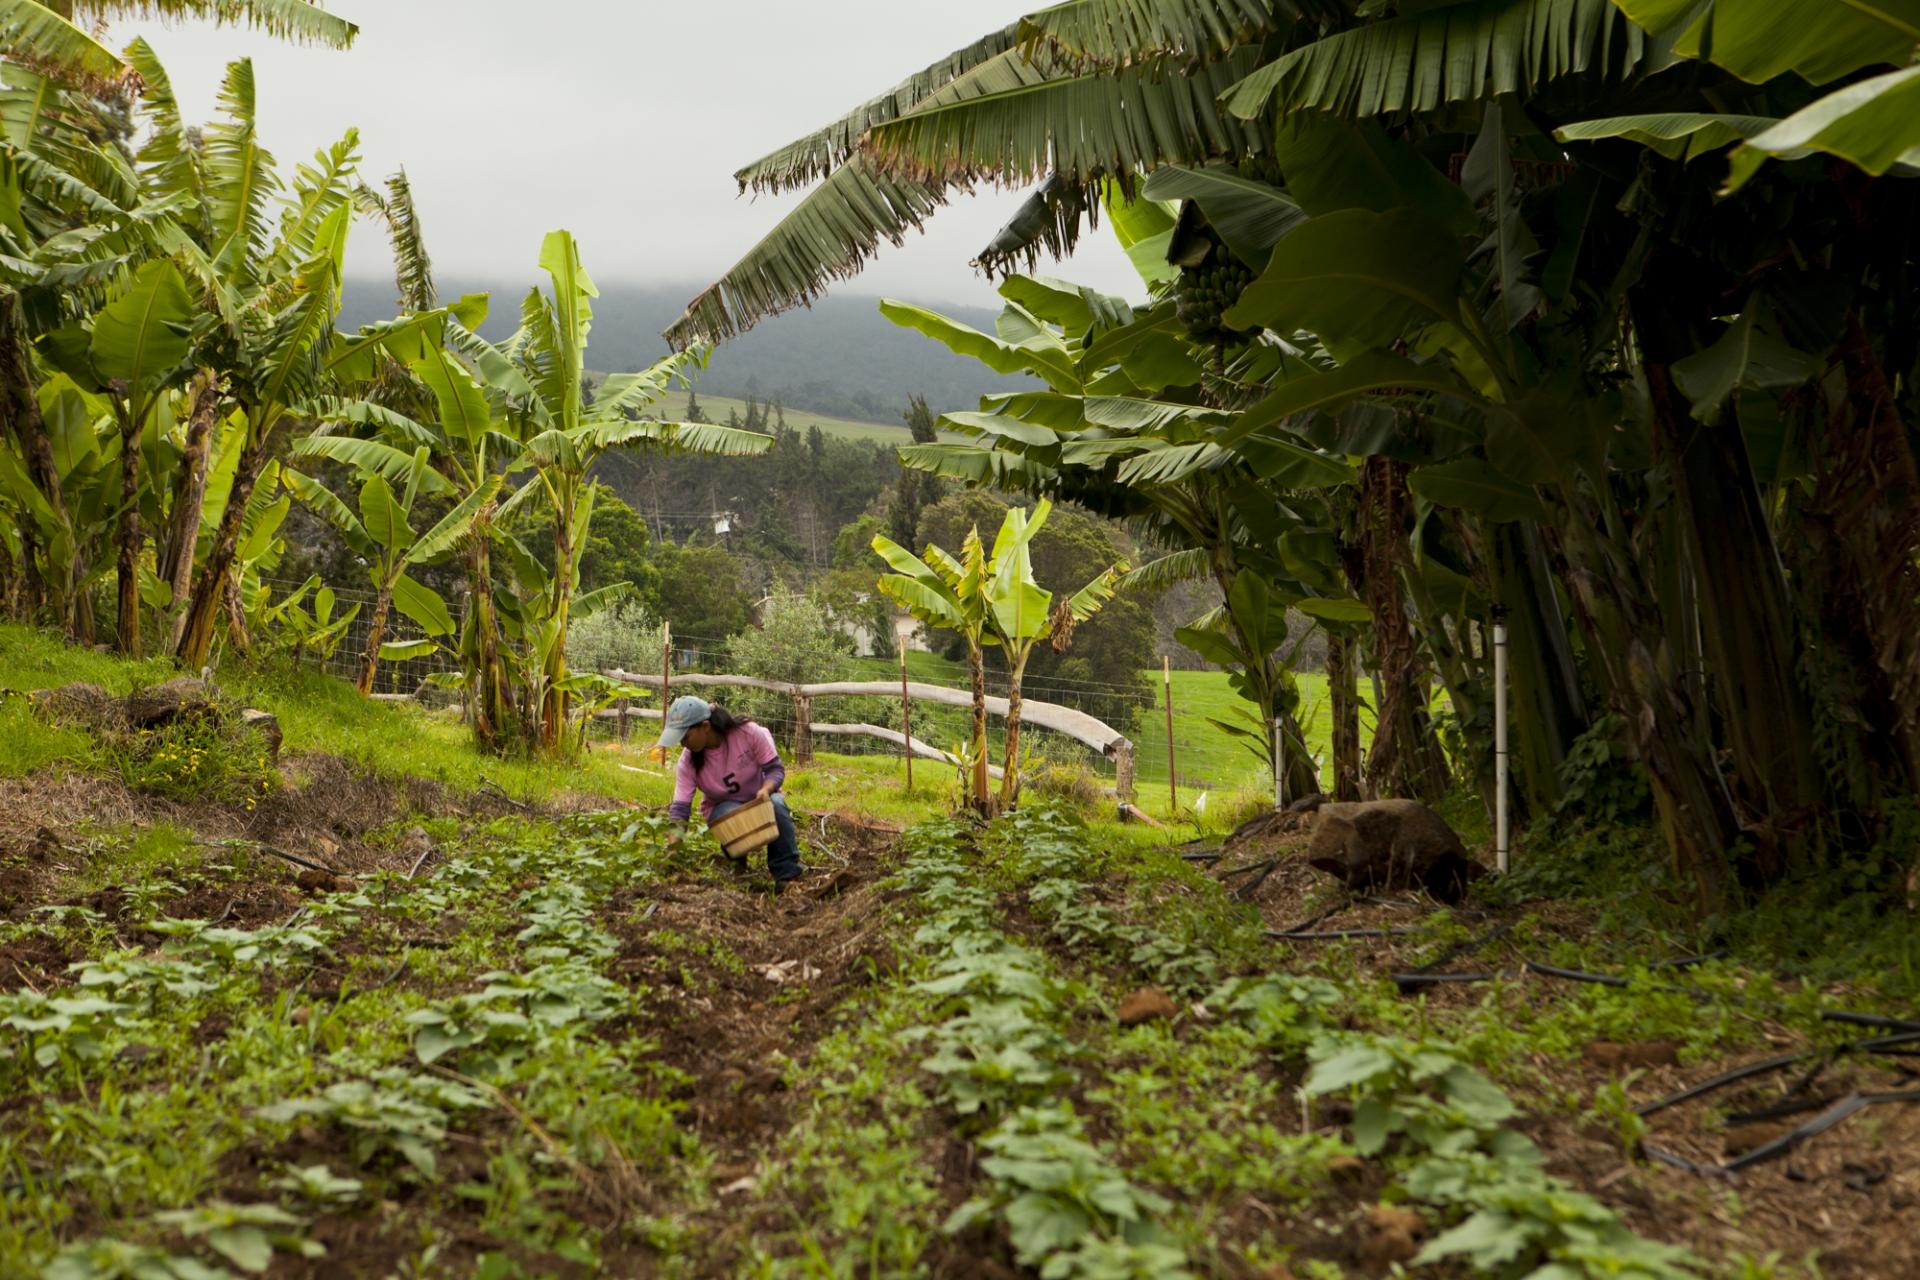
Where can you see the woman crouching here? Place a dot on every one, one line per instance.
(729, 761)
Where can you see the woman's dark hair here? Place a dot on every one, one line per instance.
(722, 722)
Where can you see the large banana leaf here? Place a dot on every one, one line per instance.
(239, 180)
(374, 457)
(423, 604)
(1250, 216)
(1757, 40)
(1472, 484)
(927, 602)
(327, 505)
(1677, 135)
(1874, 125)
(453, 526)
(1359, 280)
(140, 337)
(974, 465)
(35, 33)
(1431, 55)
(688, 437)
(1040, 351)
(1746, 355)
(566, 348)
(383, 516)
(827, 149)
(1169, 570)
(1371, 372)
(1013, 119)
(1112, 33)
(827, 237)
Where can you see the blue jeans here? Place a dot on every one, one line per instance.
(783, 855)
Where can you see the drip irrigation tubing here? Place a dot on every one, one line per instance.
(1846, 1016)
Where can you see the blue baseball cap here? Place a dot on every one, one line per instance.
(685, 713)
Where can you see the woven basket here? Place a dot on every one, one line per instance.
(751, 826)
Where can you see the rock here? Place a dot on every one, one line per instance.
(1374, 845)
(300, 1016)
(81, 704)
(1633, 1053)
(317, 881)
(1390, 1234)
(170, 700)
(1145, 1005)
(267, 725)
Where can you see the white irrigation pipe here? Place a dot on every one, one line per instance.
(1502, 818)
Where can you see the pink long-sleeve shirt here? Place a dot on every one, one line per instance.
(734, 770)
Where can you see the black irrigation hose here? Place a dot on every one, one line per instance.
(1295, 935)
(1766, 1065)
(1313, 920)
(1832, 1116)
(1410, 982)
(1826, 1015)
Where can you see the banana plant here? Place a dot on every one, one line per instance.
(271, 293)
(536, 383)
(381, 534)
(469, 449)
(951, 593)
(308, 620)
(1021, 614)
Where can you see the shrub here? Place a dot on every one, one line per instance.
(197, 758)
(622, 635)
(796, 642)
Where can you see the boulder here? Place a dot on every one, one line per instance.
(1145, 1005)
(81, 704)
(168, 701)
(1391, 844)
(267, 725)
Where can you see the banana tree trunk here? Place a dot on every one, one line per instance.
(1346, 717)
(1858, 569)
(236, 611)
(196, 637)
(189, 496)
(1747, 634)
(1010, 771)
(977, 674)
(553, 700)
(492, 709)
(127, 613)
(1646, 687)
(376, 636)
(51, 584)
(1406, 759)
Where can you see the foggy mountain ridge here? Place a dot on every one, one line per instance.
(841, 357)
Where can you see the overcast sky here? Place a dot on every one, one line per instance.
(622, 120)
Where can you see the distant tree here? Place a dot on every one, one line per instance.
(756, 416)
(694, 412)
(617, 549)
(733, 418)
(853, 545)
(914, 491)
(780, 415)
(701, 590)
(797, 641)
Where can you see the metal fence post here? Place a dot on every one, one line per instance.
(906, 712)
(1502, 815)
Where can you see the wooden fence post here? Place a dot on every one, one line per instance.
(626, 705)
(1173, 782)
(1123, 771)
(802, 729)
(666, 669)
(906, 714)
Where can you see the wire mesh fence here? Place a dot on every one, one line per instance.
(1205, 755)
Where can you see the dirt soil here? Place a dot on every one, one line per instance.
(1851, 1193)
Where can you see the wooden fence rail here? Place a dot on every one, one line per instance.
(1082, 728)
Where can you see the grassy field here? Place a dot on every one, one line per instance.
(888, 433)
(1207, 758)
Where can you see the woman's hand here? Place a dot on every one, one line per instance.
(766, 789)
